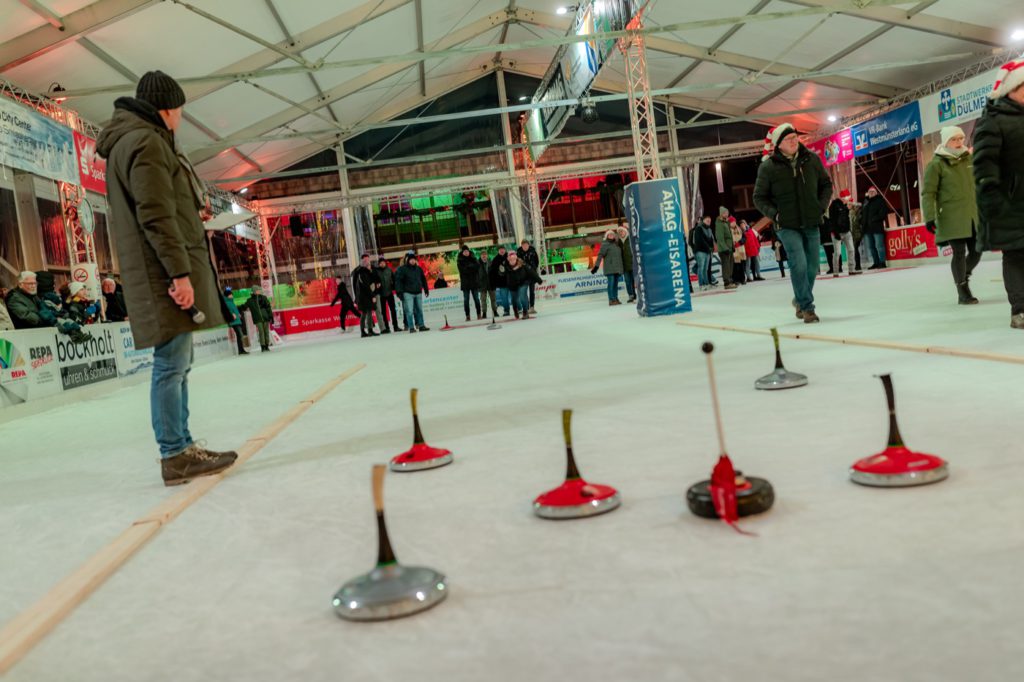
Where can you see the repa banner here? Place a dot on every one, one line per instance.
(32, 142)
(958, 103)
(887, 130)
(28, 365)
(659, 247)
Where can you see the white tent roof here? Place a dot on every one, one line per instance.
(230, 45)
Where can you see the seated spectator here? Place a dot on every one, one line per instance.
(79, 307)
(29, 310)
(113, 299)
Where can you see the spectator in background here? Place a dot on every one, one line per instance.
(483, 283)
(262, 313)
(723, 240)
(739, 252)
(469, 277)
(841, 233)
(235, 323)
(999, 178)
(347, 304)
(28, 310)
(387, 294)
(702, 241)
(752, 247)
(411, 285)
(825, 237)
(78, 305)
(610, 255)
(366, 285)
(857, 233)
(520, 277)
(113, 300)
(499, 280)
(872, 219)
(779, 249)
(529, 255)
(627, 260)
(793, 190)
(951, 209)
(6, 323)
(440, 282)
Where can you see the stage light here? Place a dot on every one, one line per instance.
(833, 118)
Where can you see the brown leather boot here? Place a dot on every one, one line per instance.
(193, 462)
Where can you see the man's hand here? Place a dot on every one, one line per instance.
(182, 293)
(930, 226)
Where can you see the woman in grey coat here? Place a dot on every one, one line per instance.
(611, 256)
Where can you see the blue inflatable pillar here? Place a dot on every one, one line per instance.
(659, 247)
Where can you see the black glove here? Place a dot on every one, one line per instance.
(593, 270)
(930, 226)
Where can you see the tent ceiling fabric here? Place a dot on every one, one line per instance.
(110, 42)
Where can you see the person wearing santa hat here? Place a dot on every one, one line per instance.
(793, 189)
(950, 209)
(999, 181)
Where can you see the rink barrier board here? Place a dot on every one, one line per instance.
(19, 636)
(869, 343)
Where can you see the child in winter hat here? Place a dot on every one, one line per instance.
(1011, 77)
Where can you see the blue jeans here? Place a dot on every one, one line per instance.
(802, 249)
(503, 298)
(876, 247)
(703, 267)
(412, 306)
(521, 298)
(613, 287)
(168, 394)
(630, 289)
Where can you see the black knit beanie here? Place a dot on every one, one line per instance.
(160, 90)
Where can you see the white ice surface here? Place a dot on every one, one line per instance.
(842, 583)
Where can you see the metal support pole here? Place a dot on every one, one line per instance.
(510, 160)
(533, 198)
(641, 110)
(348, 219)
(680, 172)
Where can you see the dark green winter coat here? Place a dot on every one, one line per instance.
(259, 307)
(999, 175)
(154, 218)
(723, 235)
(627, 254)
(387, 281)
(793, 194)
(947, 197)
(25, 310)
(610, 255)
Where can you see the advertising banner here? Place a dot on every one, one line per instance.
(28, 366)
(887, 130)
(910, 242)
(958, 103)
(32, 142)
(659, 247)
(212, 344)
(837, 148)
(129, 360)
(91, 168)
(309, 319)
(82, 364)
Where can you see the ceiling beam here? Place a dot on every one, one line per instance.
(51, 17)
(918, 22)
(717, 44)
(419, 46)
(355, 85)
(679, 49)
(132, 77)
(41, 40)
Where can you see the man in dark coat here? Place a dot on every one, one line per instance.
(872, 219)
(793, 189)
(469, 275)
(999, 178)
(387, 294)
(262, 313)
(520, 277)
(627, 259)
(366, 284)
(483, 283)
(411, 285)
(113, 301)
(155, 197)
(347, 304)
(529, 255)
(499, 279)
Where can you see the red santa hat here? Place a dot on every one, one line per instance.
(775, 136)
(845, 194)
(1011, 77)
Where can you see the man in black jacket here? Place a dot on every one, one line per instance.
(386, 300)
(469, 276)
(499, 280)
(872, 216)
(999, 178)
(529, 255)
(793, 189)
(411, 285)
(347, 304)
(483, 284)
(366, 284)
(839, 233)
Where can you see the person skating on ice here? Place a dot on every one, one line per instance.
(951, 209)
(347, 304)
(793, 189)
(155, 198)
(610, 255)
(999, 180)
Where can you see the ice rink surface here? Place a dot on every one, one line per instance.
(842, 582)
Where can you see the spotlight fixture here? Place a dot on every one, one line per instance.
(54, 92)
(588, 111)
(244, 190)
(565, 9)
(1017, 35)
(524, 98)
(832, 118)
